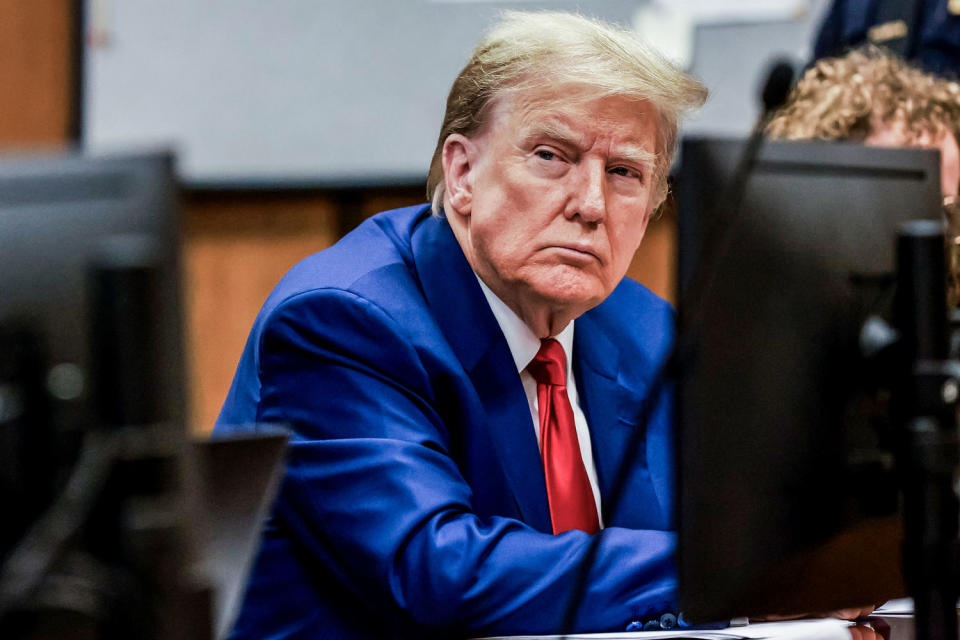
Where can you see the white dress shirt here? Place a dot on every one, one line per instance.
(524, 345)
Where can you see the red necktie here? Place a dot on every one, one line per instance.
(568, 489)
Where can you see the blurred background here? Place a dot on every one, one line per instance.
(294, 120)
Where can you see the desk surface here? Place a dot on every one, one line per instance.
(876, 628)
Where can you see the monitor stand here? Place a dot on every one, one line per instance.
(926, 397)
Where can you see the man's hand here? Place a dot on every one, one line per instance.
(860, 632)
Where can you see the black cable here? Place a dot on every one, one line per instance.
(32, 559)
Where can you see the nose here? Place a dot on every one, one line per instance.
(590, 205)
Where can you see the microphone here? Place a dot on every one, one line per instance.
(778, 81)
(776, 88)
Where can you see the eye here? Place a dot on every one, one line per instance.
(546, 154)
(626, 172)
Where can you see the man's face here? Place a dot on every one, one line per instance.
(557, 199)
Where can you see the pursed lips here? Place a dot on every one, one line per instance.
(577, 247)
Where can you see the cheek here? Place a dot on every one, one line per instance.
(520, 211)
(503, 200)
(630, 232)
(624, 243)
(499, 235)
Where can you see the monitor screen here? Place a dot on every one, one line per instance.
(787, 494)
(63, 217)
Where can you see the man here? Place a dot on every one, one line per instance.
(460, 386)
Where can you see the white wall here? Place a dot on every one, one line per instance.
(335, 91)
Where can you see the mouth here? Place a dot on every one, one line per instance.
(577, 251)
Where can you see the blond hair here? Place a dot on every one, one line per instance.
(846, 98)
(534, 51)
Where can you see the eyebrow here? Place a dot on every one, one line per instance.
(636, 154)
(552, 130)
(632, 153)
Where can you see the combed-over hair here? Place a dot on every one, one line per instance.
(845, 98)
(535, 51)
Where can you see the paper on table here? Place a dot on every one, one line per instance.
(898, 607)
(823, 629)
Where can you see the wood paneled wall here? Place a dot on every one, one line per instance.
(36, 79)
(235, 250)
(236, 245)
(654, 264)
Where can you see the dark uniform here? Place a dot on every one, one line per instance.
(926, 32)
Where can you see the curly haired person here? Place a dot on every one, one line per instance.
(872, 96)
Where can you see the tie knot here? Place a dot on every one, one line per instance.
(549, 366)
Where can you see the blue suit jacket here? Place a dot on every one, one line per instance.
(414, 501)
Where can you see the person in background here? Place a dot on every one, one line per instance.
(460, 379)
(924, 32)
(872, 96)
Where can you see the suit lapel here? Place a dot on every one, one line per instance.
(610, 404)
(596, 365)
(457, 303)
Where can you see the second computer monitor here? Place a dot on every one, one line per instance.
(787, 499)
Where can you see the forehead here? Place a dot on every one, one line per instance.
(574, 114)
(897, 132)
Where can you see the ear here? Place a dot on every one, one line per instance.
(459, 157)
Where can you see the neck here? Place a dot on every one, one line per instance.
(542, 320)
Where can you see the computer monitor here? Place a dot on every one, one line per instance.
(90, 339)
(787, 499)
(63, 217)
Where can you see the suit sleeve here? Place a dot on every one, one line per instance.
(372, 492)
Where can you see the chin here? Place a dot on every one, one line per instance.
(572, 292)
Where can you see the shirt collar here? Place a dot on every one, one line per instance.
(523, 343)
